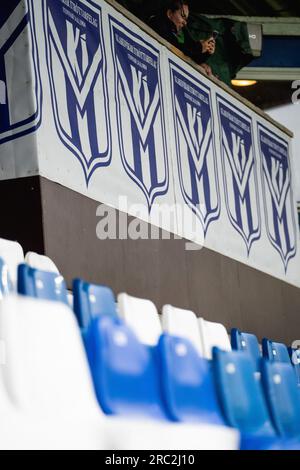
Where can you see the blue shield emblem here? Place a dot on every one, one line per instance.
(78, 80)
(140, 115)
(239, 172)
(19, 106)
(278, 197)
(195, 147)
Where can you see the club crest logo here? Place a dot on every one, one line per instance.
(195, 147)
(140, 115)
(239, 172)
(78, 80)
(278, 198)
(19, 107)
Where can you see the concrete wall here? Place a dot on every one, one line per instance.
(49, 218)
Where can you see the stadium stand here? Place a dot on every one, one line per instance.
(140, 369)
(163, 380)
(95, 369)
(48, 363)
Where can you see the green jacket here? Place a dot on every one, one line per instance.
(233, 50)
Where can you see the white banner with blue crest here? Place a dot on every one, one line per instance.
(91, 101)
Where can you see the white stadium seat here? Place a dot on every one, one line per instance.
(41, 262)
(213, 334)
(142, 316)
(46, 374)
(47, 379)
(13, 255)
(182, 323)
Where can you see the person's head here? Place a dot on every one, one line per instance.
(178, 12)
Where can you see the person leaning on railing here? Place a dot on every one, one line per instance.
(171, 24)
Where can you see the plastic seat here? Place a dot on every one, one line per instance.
(213, 335)
(41, 262)
(247, 342)
(47, 371)
(243, 402)
(41, 284)
(295, 359)
(124, 370)
(275, 351)
(91, 301)
(46, 374)
(12, 254)
(283, 397)
(47, 377)
(5, 282)
(187, 381)
(142, 316)
(182, 323)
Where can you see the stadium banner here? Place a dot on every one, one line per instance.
(91, 101)
(104, 92)
(219, 174)
(20, 90)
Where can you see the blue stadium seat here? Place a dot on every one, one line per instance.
(273, 351)
(283, 397)
(295, 359)
(246, 342)
(243, 402)
(125, 371)
(41, 284)
(91, 301)
(187, 382)
(6, 285)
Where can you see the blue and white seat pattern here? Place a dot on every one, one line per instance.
(113, 373)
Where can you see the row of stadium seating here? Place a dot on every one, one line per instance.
(174, 382)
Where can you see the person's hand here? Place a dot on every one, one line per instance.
(208, 45)
(207, 69)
